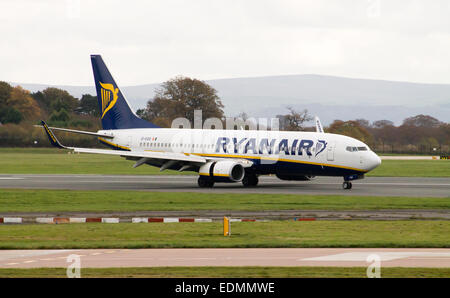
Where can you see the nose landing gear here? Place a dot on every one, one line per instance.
(347, 185)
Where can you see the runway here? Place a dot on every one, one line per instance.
(370, 186)
(336, 257)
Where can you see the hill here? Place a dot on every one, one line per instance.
(327, 96)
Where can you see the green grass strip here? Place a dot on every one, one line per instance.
(369, 234)
(109, 201)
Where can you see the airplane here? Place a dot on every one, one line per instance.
(220, 155)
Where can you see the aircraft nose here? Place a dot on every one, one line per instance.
(375, 161)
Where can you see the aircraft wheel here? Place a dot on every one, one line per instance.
(250, 180)
(202, 182)
(347, 185)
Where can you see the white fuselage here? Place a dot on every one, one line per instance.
(321, 154)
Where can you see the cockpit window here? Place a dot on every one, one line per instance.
(355, 149)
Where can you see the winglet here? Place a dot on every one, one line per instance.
(51, 136)
(319, 127)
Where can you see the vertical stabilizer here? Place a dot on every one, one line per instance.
(115, 111)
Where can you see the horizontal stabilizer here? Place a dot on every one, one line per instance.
(103, 135)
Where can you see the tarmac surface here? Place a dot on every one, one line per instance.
(339, 257)
(370, 186)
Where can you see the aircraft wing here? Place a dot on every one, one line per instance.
(162, 159)
(145, 154)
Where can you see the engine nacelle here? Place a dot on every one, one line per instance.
(223, 171)
(295, 177)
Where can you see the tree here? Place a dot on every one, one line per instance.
(179, 97)
(88, 105)
(10, 115)
(294, 120)
(55, 99)
(385, 133)
(422, 121)
(21, 100)
(363, 122)
(60, 116)
(140, 113)
(352, 129)
(382, 123)
(5, 92)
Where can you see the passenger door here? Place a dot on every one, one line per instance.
(330, 151)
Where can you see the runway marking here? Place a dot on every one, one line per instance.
(11, 264)
(193, 258)
(31, 261)
(384, 256)
(11, 178)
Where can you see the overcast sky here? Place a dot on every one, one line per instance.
(153, 41)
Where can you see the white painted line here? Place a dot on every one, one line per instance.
(203, 220)
(384, 256)
(11, 178)
(110, 220)
(44, 219)
(12, 220)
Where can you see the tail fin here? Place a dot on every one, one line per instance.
(114, 108)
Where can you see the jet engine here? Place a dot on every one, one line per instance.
(222, 171)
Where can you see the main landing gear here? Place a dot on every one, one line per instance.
(205, 182)
(250, 180)
(347, 185)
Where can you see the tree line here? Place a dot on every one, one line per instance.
(20, 109)
(179, 97)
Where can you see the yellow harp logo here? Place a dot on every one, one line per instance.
(109, 97)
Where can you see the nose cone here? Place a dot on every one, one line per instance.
(374, 161)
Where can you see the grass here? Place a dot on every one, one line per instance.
(12, 200)
(230, 272)
(368, 234)
(412, 168)
(54, 161)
